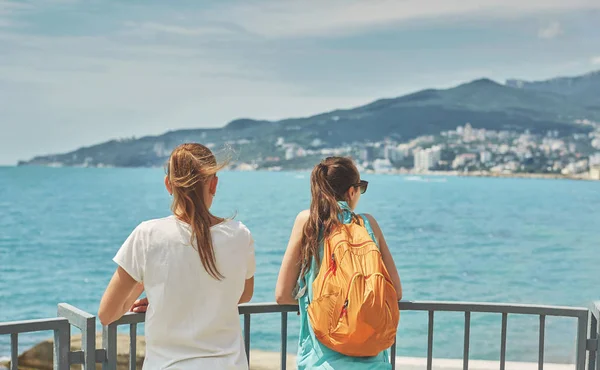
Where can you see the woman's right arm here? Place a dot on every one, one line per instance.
(248, 291)
(290, 266)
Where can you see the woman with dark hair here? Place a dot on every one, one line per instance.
(339, 269)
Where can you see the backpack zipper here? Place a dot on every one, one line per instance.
(331, 270)
(344, 309)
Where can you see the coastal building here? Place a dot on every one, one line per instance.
(367, 154)
(426, 159)
(403, 150)
(290, 153)
(382, 166)
(392, 153)
(485, 157)
(468, 133)
(574, 168)
(595, 173)
(462, 160)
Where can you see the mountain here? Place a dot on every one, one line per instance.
(517, 106)
(584, 88)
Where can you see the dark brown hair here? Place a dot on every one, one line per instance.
(190, 167)
(329, 183)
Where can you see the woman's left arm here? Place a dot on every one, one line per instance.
(121, 293)
(290, 266)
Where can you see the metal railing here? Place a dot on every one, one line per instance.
(62, 339)
(88, 356)
(593, 344)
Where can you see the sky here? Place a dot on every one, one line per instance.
(75, 73)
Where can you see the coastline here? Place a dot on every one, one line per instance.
(402, 172)
(545, 176)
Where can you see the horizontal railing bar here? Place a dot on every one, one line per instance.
(494, 308)
(76, 358)
(254, 308)
(130, 318)
(28, 326)
(503, 308)
(101, 356)
(76, 317)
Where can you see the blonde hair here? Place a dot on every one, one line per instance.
(189, 168)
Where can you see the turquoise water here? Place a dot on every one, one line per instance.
(454, 239)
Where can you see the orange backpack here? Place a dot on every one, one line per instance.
(354, 310)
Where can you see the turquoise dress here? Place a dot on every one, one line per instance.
(312, 355)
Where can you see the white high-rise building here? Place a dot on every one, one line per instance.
(426, 159)
(290, 153)
(391, 153)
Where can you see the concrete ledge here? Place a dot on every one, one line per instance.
(260, 360)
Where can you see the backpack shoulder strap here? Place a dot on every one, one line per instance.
(367, 225)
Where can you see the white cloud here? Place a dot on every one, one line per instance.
(153, 27)
(596, 60)
(550, 31)
(280, 19)
(159, 71)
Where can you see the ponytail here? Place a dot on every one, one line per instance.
(329, 182)
(190, 167)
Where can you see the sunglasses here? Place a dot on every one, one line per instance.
(362, 184)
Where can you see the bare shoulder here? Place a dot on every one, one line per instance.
(303, 217)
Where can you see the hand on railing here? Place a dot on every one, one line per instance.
(139, 306)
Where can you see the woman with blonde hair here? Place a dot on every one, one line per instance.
(195, 268)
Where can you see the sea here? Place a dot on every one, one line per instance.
(453, 239)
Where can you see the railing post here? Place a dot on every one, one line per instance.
(87, 324)
(88, 344)
(503, 341)
(592, 356)
(582, 325)
(284, 331)
(132, 346)
(14, 351)
(430, 341)
(247, 336)
(109, 343)
(62, 346)
(393, 355)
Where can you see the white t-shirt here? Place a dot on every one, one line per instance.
(192, 320)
